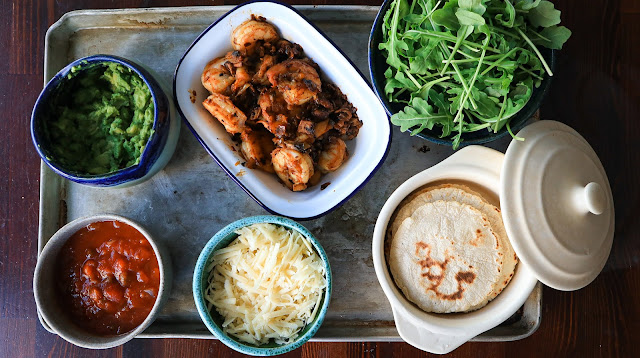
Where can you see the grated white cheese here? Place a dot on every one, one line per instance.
(267, 284)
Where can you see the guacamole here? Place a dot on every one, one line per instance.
(101, 121)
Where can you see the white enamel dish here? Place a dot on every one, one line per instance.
(366, 152)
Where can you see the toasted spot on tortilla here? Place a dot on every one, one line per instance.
(448, 250)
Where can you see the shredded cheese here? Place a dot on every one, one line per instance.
(267, 284)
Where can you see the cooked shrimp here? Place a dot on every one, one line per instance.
(296, 79)
(305, 135)
(242, 78)
(256, 147)
(348, 123)
(235, 58)
(288, 50)
(292, 167)
(273, 108)
(246, 37)
(322, 128)
(216, 78)
(260, 76)
(333, 155)
(314, 130)
(221, 107)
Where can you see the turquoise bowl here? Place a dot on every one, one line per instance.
(213, 320)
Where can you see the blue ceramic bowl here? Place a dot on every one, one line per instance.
(159, 148)
(213, 320)
(378, 65)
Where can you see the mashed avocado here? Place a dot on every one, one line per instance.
(101, 121)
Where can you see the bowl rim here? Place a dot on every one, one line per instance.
(199, 275)
(227, 170)
(483, 164)
(49, 252)
(149, 154)
(526, 112)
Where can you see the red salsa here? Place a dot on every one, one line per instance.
(109, 277)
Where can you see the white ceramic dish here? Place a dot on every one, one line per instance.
(44, 289)
(442, 333)
(558, 212)
(367, 151)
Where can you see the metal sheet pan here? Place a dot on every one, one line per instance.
(192, 198)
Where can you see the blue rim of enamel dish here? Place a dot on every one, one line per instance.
(153, 148)
(226, 170)
(222, 239)
(376, 59)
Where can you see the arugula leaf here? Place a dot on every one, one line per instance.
(515, 101)
(544, 15)
(509, 14)
(473, 6)
(420, 114)
(456, 95)
(522, 92)
(425, 6)
(527, 4)
(406, 82)
(468, 91)
(487, 106)
(457, 139)
(391, 85)
(386, 25)
(553, 37)
(446, 16)
(394, 44)
(427, 58)
(463, 32)
(437, 98)
(388, 73)
(425, 91)
(469, 18)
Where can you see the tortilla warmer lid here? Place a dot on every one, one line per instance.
(557, 205)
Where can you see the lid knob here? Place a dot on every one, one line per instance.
(595, 198)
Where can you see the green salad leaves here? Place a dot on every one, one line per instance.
(466, 65)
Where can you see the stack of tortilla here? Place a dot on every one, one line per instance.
(449, 250)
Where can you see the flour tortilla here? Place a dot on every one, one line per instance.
(464, 195)
(446, 258)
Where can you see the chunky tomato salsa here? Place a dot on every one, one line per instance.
(109, 277)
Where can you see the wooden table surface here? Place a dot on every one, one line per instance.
(596, 90)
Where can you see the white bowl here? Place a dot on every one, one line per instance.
(442, 333)
(367, 150)
(44, 289)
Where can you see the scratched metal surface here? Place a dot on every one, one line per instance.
(192, 198)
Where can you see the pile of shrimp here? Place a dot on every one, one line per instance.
(270, 99)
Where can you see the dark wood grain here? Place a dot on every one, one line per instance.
(596, 90)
